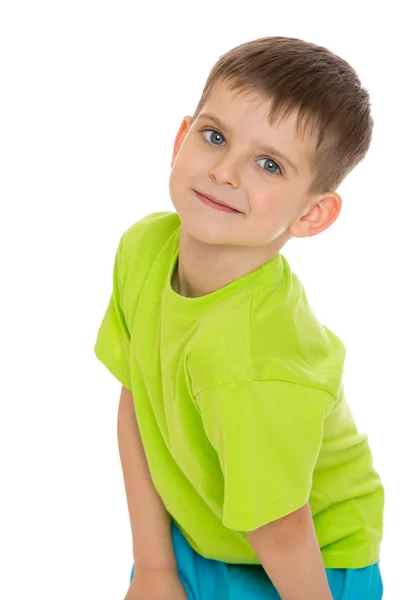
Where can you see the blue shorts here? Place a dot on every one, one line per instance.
(206, 579)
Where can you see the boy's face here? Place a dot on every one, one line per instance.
(236, 164)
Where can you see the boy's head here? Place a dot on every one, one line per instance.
(276, 101)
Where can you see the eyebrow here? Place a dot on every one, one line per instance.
(267, 149)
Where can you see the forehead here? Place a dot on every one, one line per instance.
(246, 114)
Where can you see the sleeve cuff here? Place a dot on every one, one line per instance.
(247, 519)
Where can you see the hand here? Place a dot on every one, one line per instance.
(152, 584)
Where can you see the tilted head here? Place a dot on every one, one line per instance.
(272, 94)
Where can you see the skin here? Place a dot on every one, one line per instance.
(216, 247)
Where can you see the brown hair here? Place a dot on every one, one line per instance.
(324, 88)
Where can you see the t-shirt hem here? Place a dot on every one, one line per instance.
(355, 560)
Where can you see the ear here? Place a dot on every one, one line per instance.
(322, 215)
(180, 136)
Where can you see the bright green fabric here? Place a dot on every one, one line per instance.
(240, 403)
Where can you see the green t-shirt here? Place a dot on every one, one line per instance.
(240, 403)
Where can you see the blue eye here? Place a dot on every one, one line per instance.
(269, 161)
(219, 135)
(214, 131)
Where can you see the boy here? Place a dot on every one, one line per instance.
(249, 478)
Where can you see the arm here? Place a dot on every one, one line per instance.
(289, 552)
(150, 522)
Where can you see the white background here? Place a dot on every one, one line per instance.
(92, 96)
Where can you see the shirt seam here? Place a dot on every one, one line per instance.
(311, 387)
(250, 511)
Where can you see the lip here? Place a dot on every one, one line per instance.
(212, 199)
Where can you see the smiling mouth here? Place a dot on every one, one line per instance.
(216, 204)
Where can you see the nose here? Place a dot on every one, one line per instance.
(226, 171)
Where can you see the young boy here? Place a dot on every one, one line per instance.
(248, 479)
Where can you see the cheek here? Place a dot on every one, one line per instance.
(187, 172)
(265, 204)
(269, 213)
(180, 179)
(177, 174)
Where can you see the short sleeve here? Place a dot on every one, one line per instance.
(268, 436)
(112, 345)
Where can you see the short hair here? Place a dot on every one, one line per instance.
(324, 89)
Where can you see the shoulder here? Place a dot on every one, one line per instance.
(142, 241)
(290, 343)
(138, 248)
(151, 231)
(271, 334)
